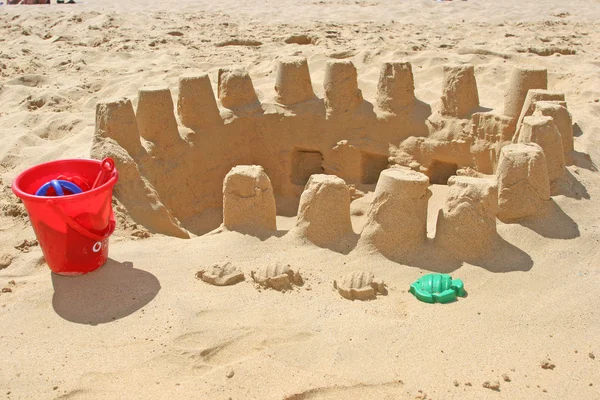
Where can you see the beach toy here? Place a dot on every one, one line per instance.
(77, 180)
(72, 230)
(58, 186)
(440, 288)
(108, 166)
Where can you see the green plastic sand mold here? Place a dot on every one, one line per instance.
(440, 288)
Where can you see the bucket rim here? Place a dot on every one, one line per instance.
(33, 198)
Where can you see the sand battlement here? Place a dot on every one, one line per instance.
(175, 155)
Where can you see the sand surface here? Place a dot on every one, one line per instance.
(144, 327)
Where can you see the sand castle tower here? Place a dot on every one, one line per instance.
(563, 121)
(236, 89)
(248, 200)
(542, 130)
(115, 119)
(397, 220)
(155, 115)
(196, 104)
(520, 82)
(292, 83)
(466, 224)
(523, 185)
(533, 96)
(324, 211)
(342, 94)
(460, 95)
(396, 87)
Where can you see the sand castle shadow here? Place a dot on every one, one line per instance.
(571, 187)
(204, 222)
(501, 257)
(420, 113)
(583, 160)
(553, 223)
(577, 130)
(112, 292)
(343, 246)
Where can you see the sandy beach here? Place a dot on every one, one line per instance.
(144, 325)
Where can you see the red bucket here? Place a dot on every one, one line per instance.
(72, 230)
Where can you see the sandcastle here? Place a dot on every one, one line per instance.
(305, 156)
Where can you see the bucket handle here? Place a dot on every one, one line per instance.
(80, 229)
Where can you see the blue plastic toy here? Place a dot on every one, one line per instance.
(59, 187)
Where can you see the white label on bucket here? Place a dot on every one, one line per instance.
(97, 247)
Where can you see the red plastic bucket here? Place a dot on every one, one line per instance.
(72, 230)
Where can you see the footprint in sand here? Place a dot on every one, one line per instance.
(387, 390)
(211, 349)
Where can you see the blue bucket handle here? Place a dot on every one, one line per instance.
(58, 186)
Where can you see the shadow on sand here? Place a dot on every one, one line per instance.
(501, 257)
(112, 292)
(554, 223)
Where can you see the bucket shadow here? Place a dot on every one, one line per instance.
(112, 292)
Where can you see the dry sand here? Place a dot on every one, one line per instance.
(144, 327)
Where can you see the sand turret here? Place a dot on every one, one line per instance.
(396, 87)
(533, 96)
(324, 211)
(563, 121)
(542, 130)
(520, 82)
(155, 115)
(292, 83)
(397, 219)
(115, 119)
(466, 224)
(248, 200)
(236, 89)
(196, 104)
(523, 185)
(342, 94)
(460, 95)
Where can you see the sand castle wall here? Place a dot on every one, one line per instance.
(182, 156)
